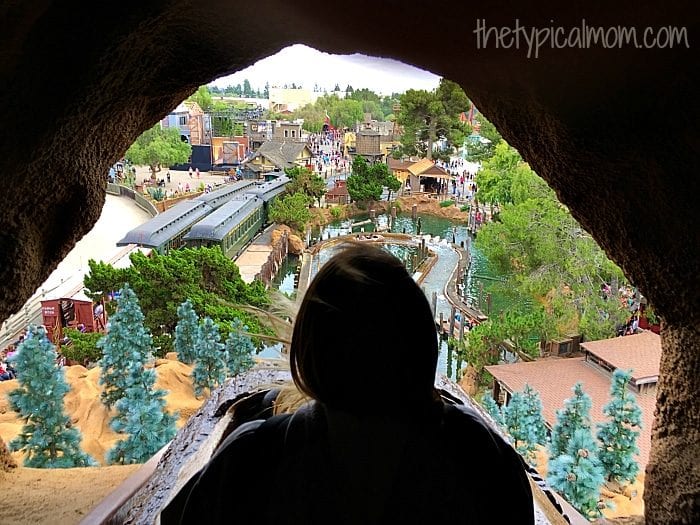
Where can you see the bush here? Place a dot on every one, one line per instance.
(83, 346)
(464, 207)
(336, 212)
(162, 344)
(157, 194)
(445, 204)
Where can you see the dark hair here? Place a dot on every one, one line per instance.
(365, 333)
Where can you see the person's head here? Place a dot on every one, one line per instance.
(365, 335)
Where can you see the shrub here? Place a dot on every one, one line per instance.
(157, 194)
(447, 203)
(464, 207)
(83, 346)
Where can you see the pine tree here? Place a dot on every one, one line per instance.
(141, 415)
(522, 425)
(577, 474)
(575, 415)
(534, 412)
(618, 436)
(127, 342)
(186, 332)
(210, 366)
(239, 350)
(493, 409)
(47, 437)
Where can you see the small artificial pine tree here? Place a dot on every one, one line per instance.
(47, 437)
(239, 350)
(210, 366)
(186, 332)
(618, 436)
(493, 409)
(127, 342)
(141, 415)
(522, 426)
(577, 474)
(535, 418)
(574, 415)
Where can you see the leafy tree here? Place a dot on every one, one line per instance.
(426, 115)
(348, 89)
(346, 113)
(577, 474)
(367, 180)
(544, 253)
(186, 332)
(307, 182)
(247, 90)
(574, 416)
(489, 403)
(141, 414)
(523, 425)
(83, 346)
(205, 276)
(266, 91)
(127, 343)
(618, 436)
(203, 98)
(210, 366)
(47, 437)
(157, 147)
(239, 350)
(292, 210)
(482, 347)
(495, 178)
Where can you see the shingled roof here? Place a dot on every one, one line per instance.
(555, 377)
(281, 154)
(639, 352)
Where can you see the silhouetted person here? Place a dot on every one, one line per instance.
(376, 444)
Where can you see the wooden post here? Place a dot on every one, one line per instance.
(441, 330)
(452, 322)
(414, 211)
(434, 303)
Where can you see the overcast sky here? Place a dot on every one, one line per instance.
(306, 66)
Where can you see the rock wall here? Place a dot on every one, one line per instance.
(614, 131)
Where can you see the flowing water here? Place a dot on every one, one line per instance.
(480, 282)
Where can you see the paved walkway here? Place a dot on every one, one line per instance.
(255, 256)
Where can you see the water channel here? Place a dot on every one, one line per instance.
(482, 282)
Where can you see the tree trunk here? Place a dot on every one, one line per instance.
(431, 137)
(672, 474)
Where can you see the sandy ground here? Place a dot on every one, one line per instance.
(65, 496)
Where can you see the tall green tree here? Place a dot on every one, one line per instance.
(239, 350)
(618, 435)
(158, 147)
(367, 181)
(578, 475)
(47, 437)
(427, 115)
(186, 332)
(534, 413)
(247, 89)
(141, 414)
(210, 363)
(307, 182)
(203, 98)
(574, 416)
(546, 256)
(205, 276)
(292, 210)
(127, 343)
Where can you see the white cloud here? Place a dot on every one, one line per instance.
(306, 66)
